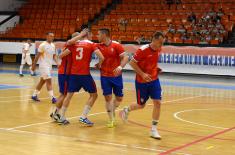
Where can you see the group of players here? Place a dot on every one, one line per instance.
(74, 74)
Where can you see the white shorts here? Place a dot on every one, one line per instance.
(27, 60)
(45, 72)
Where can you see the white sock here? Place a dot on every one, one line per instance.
(51, 94)
(86, 110)
(154, 124)
(21, 68)
(36, 92)
(62, 111)
(31, 71)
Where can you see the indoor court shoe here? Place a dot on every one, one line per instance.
(124, 114)
(63, 121)
(154, 134)
(111, 124)
(55, 116)
(35, 98)
(86, 122)
(33, 74)
(21, 75)
(53, 100)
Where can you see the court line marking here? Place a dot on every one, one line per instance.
(205, 138)
(94, 142)
(29, 99)
(182, 133)
(98, 113)
(195, 123)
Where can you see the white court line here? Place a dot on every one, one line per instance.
(92, 142)
(195, 123)
(33, 124)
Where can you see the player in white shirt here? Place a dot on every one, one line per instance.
(26, 59)
(46, 54)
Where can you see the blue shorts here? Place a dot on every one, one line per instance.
(112, 84)
(146, 90)
(63, 83)
(76, 82)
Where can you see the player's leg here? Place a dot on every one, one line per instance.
(29, 62)
(73, 86)
(22, 66)
(65, 105)
(117, 84)
(89, 86)
(156, 95)
(107, 92)
(155, 119)
(37, 90)
(142, 96)
(55, 111)
(50, 90)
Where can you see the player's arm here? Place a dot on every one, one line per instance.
(138, 70)
(64, 53)
(79, 37)
(36, 60)
(101, 58)
(55, 59)
(124, 60)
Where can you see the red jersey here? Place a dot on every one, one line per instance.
(111, 55)
(65, 66)
(147, 60)
(81, 57)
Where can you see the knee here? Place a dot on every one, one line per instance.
(94, 96)
(119, 99)
(141, 106)
(157, 103)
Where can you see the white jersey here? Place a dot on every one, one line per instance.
(26, 47)
(48, 51)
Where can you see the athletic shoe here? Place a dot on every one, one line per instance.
(124, 114)
(53, 100)
(35, 98)
(62, 121)
(86, 121)
(111, 124)
(154, 134)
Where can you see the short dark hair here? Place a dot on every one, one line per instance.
(105, 31)
(158, 34)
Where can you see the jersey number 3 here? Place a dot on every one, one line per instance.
(79, 53)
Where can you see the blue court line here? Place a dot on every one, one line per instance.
(163, 82)
(3, 86)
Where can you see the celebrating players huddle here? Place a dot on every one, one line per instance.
(74, 74)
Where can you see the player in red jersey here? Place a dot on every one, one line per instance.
(80, 77)
(145, 64)
(111, 72)
(64, 72)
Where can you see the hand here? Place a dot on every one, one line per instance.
(159, 70)
(117, 71)
(84, 31)
(97, 66)
(146, 77)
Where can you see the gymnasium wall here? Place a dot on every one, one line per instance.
(176, 59)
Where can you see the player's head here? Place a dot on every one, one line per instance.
(50, 37)
(88, 35)
(103, 34)
(29, 41)
(158, 39)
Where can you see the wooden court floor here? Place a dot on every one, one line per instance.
(198, 117)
